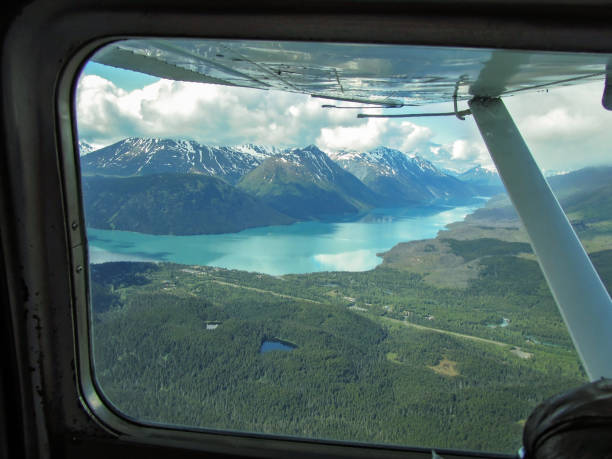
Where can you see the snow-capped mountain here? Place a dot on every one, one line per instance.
(385, 161)
(302, 183)
(260, 152)
(484, 180)
(311, 161)
(306, 183)
(85, 148)
(137, 156)
(401, 179)
(481, 175)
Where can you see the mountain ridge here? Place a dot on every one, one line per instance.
(484, 180)
(301, 183)
(305, 183)
(400, 179)
(138, 156)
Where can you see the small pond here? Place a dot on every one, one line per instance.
(275, 345)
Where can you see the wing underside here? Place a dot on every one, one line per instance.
(388, 75)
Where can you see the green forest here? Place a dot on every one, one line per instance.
(394, 355)
(370, 365)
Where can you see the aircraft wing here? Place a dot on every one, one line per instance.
(372, 74)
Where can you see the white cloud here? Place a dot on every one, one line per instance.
(468, 151)
(365, 136)
(460, 150)
(208, 113)
(565, 127)
(409, 137)
(372, 132)
(558, 123)
(459, 155)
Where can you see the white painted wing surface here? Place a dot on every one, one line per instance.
(392, 75)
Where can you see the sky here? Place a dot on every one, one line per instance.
(565, 128)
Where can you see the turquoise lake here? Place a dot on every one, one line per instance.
(347, 245)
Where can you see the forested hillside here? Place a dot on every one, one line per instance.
(173, 204)
(380, 356)
(450, 343)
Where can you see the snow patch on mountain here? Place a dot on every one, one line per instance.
(385, 161)
(260, 152)
(86, 147)
(401, 177)
(313, 159)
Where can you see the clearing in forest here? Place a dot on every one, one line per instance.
(446, 368)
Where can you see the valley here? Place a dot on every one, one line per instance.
(371, 347)
(450, 342)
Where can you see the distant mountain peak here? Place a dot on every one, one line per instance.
(482, 169)
(137, 156)
(400, 178)
(309, 149)
(486, 179)
(86, 147)
(342, 154)
(259, 151)
(381, 149)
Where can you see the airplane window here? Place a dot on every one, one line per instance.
(263, 260)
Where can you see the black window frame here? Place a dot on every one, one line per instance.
(42, 230)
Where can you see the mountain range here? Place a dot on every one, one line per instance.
(484, 180)
(136, 156)
(399, 179)
(277, 185)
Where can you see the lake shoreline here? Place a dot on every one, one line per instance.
(339, 244)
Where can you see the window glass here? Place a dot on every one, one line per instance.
(265, 261)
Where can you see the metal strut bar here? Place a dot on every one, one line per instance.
(459, 114)
(579, 293)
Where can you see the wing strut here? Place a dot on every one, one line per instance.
(581, 297)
